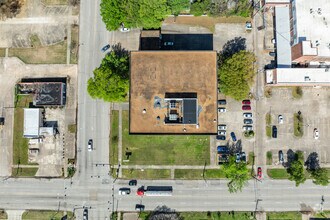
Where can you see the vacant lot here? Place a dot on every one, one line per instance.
(199, 174)
(55, 215)
(55, 54)
(284, 215)
(20, 144)
(24, 172)
(146, 174)
(165, 149)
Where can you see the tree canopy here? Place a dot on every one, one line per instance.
(320, 176)
(138, 13)
(296, 169)
(110, 81)
(237, 173)
(236, 74)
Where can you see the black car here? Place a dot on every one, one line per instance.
(248, 121)
(280, 156)
(222, 102)
(85, 214)
(139, 207)
(221, 137)
(105, 48)
(132, 182)
(274, 132)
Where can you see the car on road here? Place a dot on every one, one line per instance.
(124, 191)
(222, 110)
(222, 133)
(247, 128)
(238, 157)
(85, 214)
(259, 172)
(105, 48)
(168, 43)
(139, 207)
(274, 131)
(281, 156)
(248, 121)
(132, 183)
(233, 136)
(222, 127)
(316, 134)
(247, 115)
(246, 102)
(246, 107)
(90, 145)
(272, 54)
(280, 119)
(221, 137)
(222, 102)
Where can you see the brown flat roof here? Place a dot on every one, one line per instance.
(154, 73)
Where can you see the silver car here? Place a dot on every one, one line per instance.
(222, 127)
(247, 115)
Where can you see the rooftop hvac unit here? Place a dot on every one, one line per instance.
(307, 79)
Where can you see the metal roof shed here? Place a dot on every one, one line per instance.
(32, 122)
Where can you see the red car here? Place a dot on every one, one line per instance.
(246, 107)
(246, 102)
(259, 174)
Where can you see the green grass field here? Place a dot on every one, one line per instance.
(198, 174)
(20, 144)
(40, 214)
(277, 173)
(146, 174)
(165, 149)
(24, 172)
(114, 137)
(284, 216)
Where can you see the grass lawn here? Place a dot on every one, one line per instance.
(268, 125)
(54, 54)
(198, 174)
(114, 137)
(209, 215)
(40, 214)
(24, 172)
(20, 144)
(283, 215)
(74, 44)
(277, 173)
(165, 149)
(324, 214)
(269, 158)
(298, 124)
(206, 21)
(2, 52)
(3, 214)
(146, 174)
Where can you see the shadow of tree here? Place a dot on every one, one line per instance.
(231, 47)
(164, 212)
(290, 157)
(119, 50)
(235, 147)
(312, 162)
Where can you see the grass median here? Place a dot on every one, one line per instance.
(114, 118)
(74, 44)
(277, 173)
(268, 125)
(298, 124)
(164, 149)
(41, 214)
(146, 174)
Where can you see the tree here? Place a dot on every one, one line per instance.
(177, 6)
(237, 173)
(113, 13)
(152, 13)
(9, 8)
(110, 81)
(320, 176)
(296, 169)
(199, 7)
(236, 74)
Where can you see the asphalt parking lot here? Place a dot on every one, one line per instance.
(314, 106)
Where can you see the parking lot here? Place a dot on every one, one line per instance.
(313, 106)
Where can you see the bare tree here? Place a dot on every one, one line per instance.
(9, 8)
(164, 213)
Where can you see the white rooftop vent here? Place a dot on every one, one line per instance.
(307, 79)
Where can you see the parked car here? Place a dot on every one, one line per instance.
(238, 157)
(243, 157)
(222, 102)
(139, 207)
(168, 43)
(247, 128)
(273, 41)
(233, 136)
(316, 134)
(280, 119)
(221, 137)
(105, 48)
(124, 191)
(247, 115)
(222, 149)
(222, 110)
(246, 107)
(222, 133)
(259, 173)
(90, 145)
(281, 156)
(246, 102)
(248, 25)
(132, 183)
(248, 121)
(85, 214)
(274, 132)
(272, 54)
(222, 127)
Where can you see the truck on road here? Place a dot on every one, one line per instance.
(155, 191)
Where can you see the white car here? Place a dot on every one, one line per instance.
(221, 132)
(247, 128)
(222, 110)
(124, 29)
(316, 134)
(247, 115)
(280, 119)
(222, 127)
